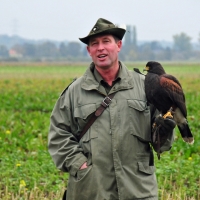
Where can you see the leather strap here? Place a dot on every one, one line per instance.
(151, 158)
(156, 138)
(104, 104)
(158, 145)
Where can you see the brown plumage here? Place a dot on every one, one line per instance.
(165, 92)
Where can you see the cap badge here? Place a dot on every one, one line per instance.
(94, 29)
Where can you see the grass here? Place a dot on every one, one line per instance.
(28, 94)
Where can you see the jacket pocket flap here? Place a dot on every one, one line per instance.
(88, 136)
(84, 111)
(144, 167)
(137, 104)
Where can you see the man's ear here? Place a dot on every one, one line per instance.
(119, 44)
(88, 49)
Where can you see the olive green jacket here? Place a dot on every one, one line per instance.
(116, 147)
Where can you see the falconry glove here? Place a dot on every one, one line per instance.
(162, 133)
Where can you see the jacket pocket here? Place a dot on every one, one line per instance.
(86, 144)
(84, 185)
(82, 114)
(83, 172)
(143, 163)
(145, 168)
(84, 111)
(139, 115)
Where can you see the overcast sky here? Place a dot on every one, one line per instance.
(70, 19)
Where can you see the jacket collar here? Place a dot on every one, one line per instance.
(90, 83)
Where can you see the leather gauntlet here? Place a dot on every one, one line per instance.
(162, 129)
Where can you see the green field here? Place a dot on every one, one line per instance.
(28, 94)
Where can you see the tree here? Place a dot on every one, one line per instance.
(134, 38)
(167, 54)
(155, 46)
(182, 43)
(3, 51)
(29, 50)
(74, 49)
(130, 44)
(47, 49)
(63, 49)
(145, 52)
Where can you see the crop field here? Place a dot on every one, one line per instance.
(28, 94)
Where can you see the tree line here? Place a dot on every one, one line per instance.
(181, 49)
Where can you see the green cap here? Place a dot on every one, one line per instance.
(104, 26)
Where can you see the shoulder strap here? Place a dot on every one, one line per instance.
(104, 104)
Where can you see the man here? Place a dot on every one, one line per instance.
(112, 160)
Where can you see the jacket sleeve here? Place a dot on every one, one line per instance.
(166, 136)
(62, 144)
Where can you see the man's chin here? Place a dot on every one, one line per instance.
(102, 65)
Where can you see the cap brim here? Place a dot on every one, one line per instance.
(118, 32)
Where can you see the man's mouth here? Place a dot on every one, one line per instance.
(102, 56)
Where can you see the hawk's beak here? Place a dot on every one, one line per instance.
(146, 69)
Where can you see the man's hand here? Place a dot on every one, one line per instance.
(83, 166)
(162, 130)
(168, 123)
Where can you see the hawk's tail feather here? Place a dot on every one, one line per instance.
(186, 133)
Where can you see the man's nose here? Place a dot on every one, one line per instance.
(100, 47)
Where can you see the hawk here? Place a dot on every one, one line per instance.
(165, 92)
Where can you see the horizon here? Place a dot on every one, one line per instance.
(60, 41)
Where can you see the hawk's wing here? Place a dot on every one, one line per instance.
(172, 86)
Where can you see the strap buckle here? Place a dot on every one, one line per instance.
(106, 102)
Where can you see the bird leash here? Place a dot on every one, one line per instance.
(156, 138)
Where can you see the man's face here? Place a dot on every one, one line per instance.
(104, 50)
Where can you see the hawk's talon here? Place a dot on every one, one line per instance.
(168, 114)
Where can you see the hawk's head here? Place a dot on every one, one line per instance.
(154, 67)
